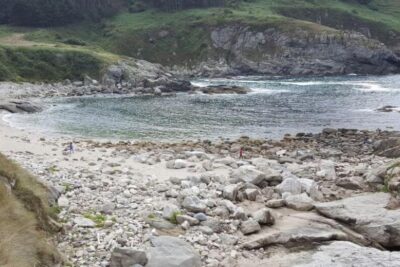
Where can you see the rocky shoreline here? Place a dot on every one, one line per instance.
(294, 202)
(126, 78)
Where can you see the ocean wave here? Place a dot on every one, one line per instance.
(372, 87)
(255, 90)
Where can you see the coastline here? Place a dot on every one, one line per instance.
(116, 193)
(130, 182)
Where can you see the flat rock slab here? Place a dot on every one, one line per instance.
(300, 229)
(367, 215)
(170, 251)
(337, 253)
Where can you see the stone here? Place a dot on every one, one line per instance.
(200, 217)
(300, 202)
(63, 202)
(185, 225)
(126, 257)
(263, 217)
(327, 170)
(239, 214)
(84, 222)
(186, 218)
(251, 194)
(275, 203)
(176, 164)
(352, 183)
(306, 184)
(169, 211)
(290, 185)
(231, 191)
(107, 208)
(170, 251)
(250, 226)
(248, 174)
(194, 204)
(367, 215)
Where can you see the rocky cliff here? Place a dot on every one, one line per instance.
(242, 49)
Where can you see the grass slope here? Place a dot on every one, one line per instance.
(24, 220)
(183, 37)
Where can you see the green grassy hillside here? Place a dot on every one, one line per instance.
(25, 223)
(174, 38)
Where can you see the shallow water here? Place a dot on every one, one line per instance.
(276, 106)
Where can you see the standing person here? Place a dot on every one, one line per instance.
(241, 153)
(71, 148)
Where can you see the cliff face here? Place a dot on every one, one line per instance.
(241, 49)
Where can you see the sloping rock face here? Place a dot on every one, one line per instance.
(337, 253)
(301, 228)
(134, 73)
(367, 214)
(389, 148)
(246, 50)
(20, 107)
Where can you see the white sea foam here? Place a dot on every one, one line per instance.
(255, 90)
(372, 87)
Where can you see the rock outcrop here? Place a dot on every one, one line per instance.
(20, 107)
(244, 49)
(367, 214)
(337, 253)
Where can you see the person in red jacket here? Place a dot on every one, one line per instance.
(241, 153)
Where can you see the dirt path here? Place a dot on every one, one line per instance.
(18, 39)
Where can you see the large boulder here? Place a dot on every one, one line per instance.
(249, 174)
(389, 148)
(300, 202)
(170, 251)
(290, 185)
(141, 73)
(334, 254)
(367, 215)
(301, 229)
(20, 107)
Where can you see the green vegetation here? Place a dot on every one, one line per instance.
(25, 222)
(99, 219)
(181, 36)
(173, 217)
(47, 64)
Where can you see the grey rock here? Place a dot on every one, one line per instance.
(275, 203)
(367, 215)
(300, 202)
(126, 257)
(337, 253)
(263, 216)
(352, 183)
(231, 191)
(200, 217)
(182, 218)
(84, 222)
(172, 252)
(248, 174)
(250, 226)
(169, 211)
(194, 204)
(251, 193)
(290, 185)
(326, 52)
